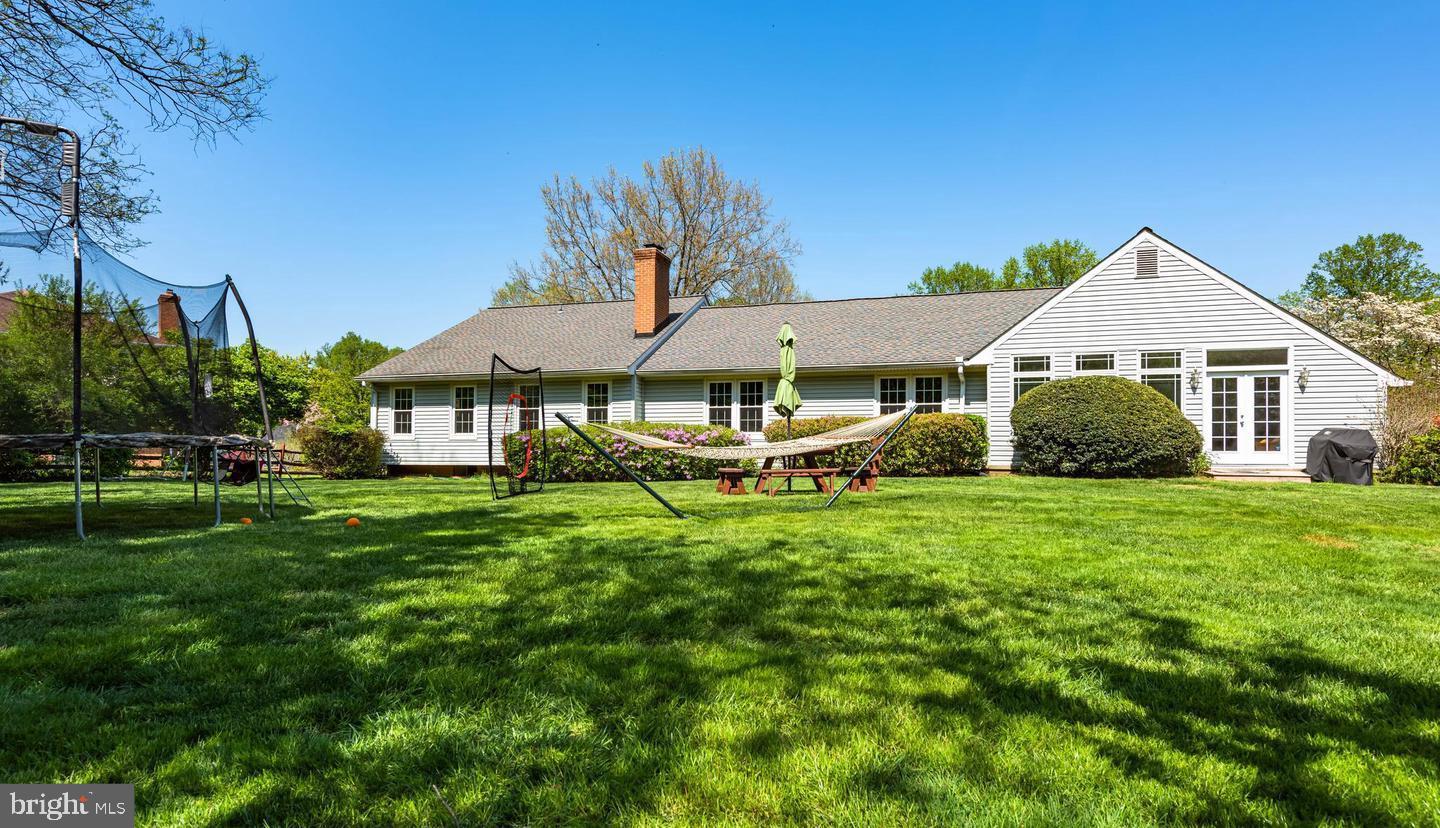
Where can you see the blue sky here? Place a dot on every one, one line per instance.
(397, 174)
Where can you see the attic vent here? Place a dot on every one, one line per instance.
(1147, 262)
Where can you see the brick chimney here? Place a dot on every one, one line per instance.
(169, 313)
(652, 289)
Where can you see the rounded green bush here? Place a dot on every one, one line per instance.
(341, 451)
(930, 445)
(1102, 427)
(1418, 461)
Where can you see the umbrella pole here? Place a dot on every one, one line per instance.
(788, 479)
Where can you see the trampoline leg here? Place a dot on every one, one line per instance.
(79, 498)
(194, 467)
(215, 470)
(97, 476)
(270, 479)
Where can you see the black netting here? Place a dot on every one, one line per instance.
(156, 353)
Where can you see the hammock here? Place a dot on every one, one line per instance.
(857, 433)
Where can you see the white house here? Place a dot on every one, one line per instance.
(1257, 381)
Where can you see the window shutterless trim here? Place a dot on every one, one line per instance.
(589, 418)
(394, 432)
(455, 411)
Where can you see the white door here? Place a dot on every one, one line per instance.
(1246, 419)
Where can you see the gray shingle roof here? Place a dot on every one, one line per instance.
(847, 332)
(580, 337)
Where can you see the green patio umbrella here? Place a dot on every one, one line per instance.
(787, 399)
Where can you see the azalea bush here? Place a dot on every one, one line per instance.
(572, 460)
(930, 445)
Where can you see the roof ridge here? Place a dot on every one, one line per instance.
(890, 296)
(586, 302)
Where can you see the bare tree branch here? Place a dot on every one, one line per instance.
(719, 231)
(73, 61)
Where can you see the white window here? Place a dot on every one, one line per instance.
(1094, 362)
(752, 405)
(736, 404)
(1247, 357)
(529, 407)
(597, 402)
(1030, 372)
(929, 394)
(402, 411)
(720, 399)
(463, 409)
(1161, 370)
(893, 394)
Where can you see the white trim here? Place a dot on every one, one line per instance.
(909, 377)
(408, 435)
(474, 412)
(1077, 371)
(987, 353)
(1245, 405)
(609, 400)
(734, 383)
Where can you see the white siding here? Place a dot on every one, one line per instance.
(432, 441)
(1189, 310)
(976, 378)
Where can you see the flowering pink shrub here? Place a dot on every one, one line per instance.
(572, 460)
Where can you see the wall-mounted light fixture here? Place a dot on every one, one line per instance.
(1194, 380)
(1304, 377)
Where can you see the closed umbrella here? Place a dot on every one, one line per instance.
(787, 399)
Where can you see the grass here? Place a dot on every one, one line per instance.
(997, 651)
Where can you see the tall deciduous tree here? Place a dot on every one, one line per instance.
(1388, 264)
(1052, 264)
(719, 232)
(333, 387)
(87, 62)
(961, 277)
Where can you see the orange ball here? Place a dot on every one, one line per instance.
(354, 521)
(245, 521)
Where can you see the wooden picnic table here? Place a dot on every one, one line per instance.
(823, 477)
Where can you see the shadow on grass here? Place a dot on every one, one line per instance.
(536, 668)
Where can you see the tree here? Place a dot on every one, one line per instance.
(1055, 264)
(719, 233)
(73, 61)
(1401, 335)
(333, 387)
(961, 277)
(1388, 264)
(287, 388)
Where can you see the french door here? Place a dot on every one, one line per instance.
(1246, 418)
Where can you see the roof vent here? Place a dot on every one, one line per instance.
(1147, 262)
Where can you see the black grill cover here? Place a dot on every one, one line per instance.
(1341, 455)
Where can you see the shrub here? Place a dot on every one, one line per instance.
(342, 451)
(1418, 461)
(572, 460)
(930, 445)
(1102, 427)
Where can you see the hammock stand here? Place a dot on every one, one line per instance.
(887, 425)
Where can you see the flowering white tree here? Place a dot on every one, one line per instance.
(1401, 335)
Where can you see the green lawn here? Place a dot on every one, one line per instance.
(1006, 650)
